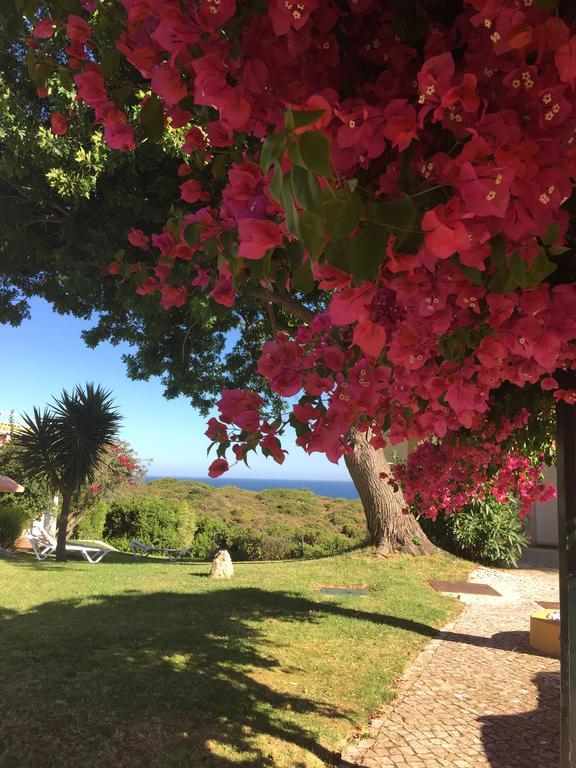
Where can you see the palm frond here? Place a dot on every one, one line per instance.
(86, 422)
(35, 446)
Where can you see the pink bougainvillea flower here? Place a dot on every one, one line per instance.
(190, 191)
(350, 304)
(218, 467)
(91, 88)
(565, 59)
(78, 29)
(137, 238)
(173, 296)
(168, 84)
(258, 236)
(43, 29)
(59, 124)
(223, 291)
(401, 124)
(117, 131)
(216, 430)
(240, 407)
(444, 230)
(370, 337)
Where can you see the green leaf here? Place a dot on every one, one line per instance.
(287, 201)
(399, 214)
(312, 231)
(501, 281)
(474, 275)
(368, 251)
(276, 183)
(173, 226)
(66, 78)
(541, 268)
(557, 250)
(219, 167)
(211, 248)
(315, 152)
(294, 154)
(260, 268)
(272, 149)
(302, 279)
(552, 234)
(337, 254)
(299, 118)
(307, 190)
(110, 62)
(119, 95)
(192, 233)
(152, 118)
(518, 270)
(343, 216)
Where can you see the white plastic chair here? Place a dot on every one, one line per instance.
(44, 544)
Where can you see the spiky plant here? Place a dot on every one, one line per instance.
(63, 445)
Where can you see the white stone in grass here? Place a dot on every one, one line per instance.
(222, 567)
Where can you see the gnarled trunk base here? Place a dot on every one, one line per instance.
(390, 529)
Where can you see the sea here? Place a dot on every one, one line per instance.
(335, 489)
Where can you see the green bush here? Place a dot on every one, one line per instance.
(210, 536)
(91, 525)
(156, 522)
(13, 521)
(487, 532)
(264, 545)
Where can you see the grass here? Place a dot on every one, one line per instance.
(136, 663)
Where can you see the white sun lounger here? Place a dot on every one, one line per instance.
(44, 544)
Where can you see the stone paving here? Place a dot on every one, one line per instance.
(477, 696)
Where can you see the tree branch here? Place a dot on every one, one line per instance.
(291, 305)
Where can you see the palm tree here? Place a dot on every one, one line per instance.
(64, 444)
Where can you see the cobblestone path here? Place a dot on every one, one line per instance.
(476, 696)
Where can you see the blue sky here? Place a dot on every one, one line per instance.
(46, 354)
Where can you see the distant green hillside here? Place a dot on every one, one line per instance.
(270, 524)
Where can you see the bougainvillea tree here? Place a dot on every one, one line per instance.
(414, 160)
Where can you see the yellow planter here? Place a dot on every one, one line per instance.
(545, 633)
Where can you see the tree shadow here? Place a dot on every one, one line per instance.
(162, 679)
(526, 739)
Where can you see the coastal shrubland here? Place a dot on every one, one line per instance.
(274, 524)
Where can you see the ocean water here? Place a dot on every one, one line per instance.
(335, 489)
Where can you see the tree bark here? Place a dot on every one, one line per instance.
(390, 529)
(62, 527)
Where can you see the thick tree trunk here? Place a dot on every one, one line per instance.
(62, 527)
(390, 529)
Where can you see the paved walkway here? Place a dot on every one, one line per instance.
(477, 696)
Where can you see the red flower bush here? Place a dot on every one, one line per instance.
(420, 173)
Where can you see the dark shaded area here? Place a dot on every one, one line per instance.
(527, 739)
(97, 683)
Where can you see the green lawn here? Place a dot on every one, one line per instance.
(146, 663)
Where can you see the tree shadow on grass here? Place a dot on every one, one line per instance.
(161, 680)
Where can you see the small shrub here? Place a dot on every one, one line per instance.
(91, 525)
(264, 545)
(157, 522)
(13, 521)
(487, 532)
